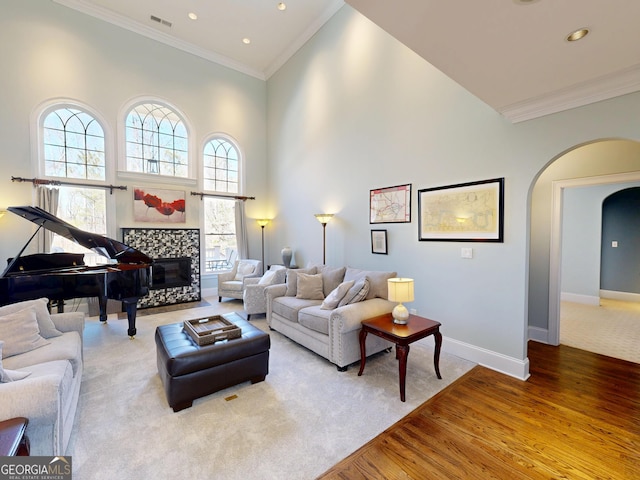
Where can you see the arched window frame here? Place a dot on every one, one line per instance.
(240, 173)
(214, 259)
(38, 116)
(190, 179)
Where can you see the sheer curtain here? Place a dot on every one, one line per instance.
(48, 201)
(241, 230)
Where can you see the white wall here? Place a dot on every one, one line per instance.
(581, 240)
(49, 51)
(356, 110)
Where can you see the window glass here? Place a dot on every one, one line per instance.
(221, 166)
(220, 175)
(73, 145)
(156, 141)
(220, 234)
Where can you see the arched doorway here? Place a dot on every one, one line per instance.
(600, 162)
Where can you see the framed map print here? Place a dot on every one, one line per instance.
(390, 204)
(467, 212)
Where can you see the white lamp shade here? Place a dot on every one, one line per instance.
(400, 289)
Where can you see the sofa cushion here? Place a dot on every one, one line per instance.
(292, 279)
(288, 307)
(20, 332)
(333, 299)
(67, 347)
(357, 293)
(331, 278)
(45, 324)
(7, 376)
(315, 318)
(233, 285)
(377, 281)
(310, 286)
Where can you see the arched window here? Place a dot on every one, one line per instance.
(221, 174)
(157, 141)
(73, 145)
(221, 166)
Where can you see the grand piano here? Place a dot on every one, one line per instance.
(63, 276)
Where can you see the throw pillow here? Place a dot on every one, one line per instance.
(267, 278)
(331, 278)
(357, 293)
(20, 332)
(45, 324)
(244, 269)
(292, 279)
(333, 299)
(309, 286)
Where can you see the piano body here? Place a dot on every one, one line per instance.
(63, 276)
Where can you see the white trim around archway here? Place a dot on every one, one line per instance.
(555, 251)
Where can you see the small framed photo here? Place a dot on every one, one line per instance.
(379, 241)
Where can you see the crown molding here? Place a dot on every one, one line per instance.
(612, 85)
(149, 32)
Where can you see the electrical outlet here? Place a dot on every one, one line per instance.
(614, 244)
(466, 252)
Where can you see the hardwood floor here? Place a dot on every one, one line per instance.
(577, 417)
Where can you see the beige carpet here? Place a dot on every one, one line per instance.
(302, 420)
(611, 329)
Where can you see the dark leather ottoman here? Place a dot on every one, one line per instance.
(189, 371)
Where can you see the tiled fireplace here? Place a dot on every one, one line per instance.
(175, 276)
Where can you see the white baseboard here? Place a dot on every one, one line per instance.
(538, 334)
(487, 358)
(209, 292)
(624, 296)
(578, 298)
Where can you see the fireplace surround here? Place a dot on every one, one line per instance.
(175, 273)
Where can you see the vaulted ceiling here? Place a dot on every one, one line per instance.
(511, 54)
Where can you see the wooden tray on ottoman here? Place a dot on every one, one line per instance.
(205, 331)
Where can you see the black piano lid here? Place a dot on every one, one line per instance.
(105, 246)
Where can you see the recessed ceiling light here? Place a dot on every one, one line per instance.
(282, 6)
(193, 16)
(246, 40)
(577, 35)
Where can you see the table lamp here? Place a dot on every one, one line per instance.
(400, 290)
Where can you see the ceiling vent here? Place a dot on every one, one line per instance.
(166, 23)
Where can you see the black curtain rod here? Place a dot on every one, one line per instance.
(39, 181)
(219, 195)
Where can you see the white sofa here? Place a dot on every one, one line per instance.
(330, 332)
(48, 396)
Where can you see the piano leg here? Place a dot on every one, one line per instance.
(131, 306)
(102, 304)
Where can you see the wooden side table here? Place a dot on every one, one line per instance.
(402, 335)
(13, 441)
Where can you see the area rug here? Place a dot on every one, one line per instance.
(305, 417)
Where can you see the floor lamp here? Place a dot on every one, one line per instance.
(263, 223)
(324, 218)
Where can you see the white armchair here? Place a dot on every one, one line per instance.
(254, 298)
(231, 283)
